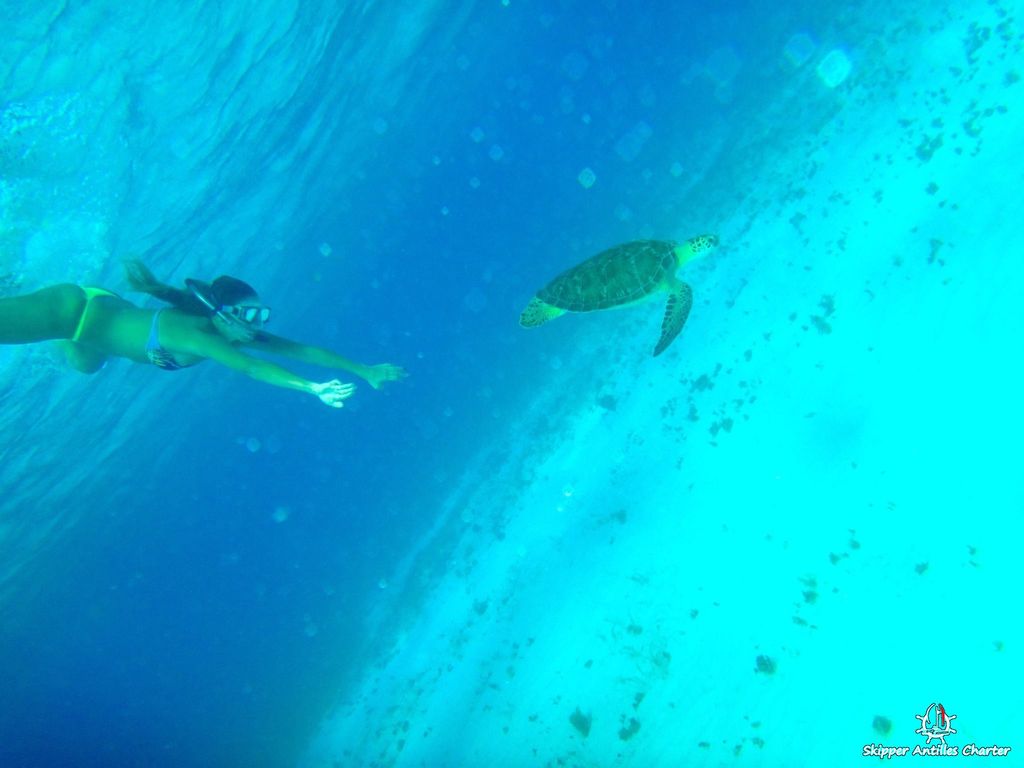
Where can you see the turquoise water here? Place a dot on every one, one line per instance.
(776, 544)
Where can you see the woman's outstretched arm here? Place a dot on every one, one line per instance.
(374, 375)
(213, 347)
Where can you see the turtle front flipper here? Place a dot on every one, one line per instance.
(676, 312)
(538, 312)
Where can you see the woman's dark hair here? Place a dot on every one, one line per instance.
(222, 292)
(227, 290)
(197, 297)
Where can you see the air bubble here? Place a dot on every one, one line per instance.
(834, 68)
(798, 49)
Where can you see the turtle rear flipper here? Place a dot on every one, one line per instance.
(676, 312)
(538, 312)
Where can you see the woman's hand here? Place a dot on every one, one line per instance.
(140, 278)
(376, 375)
(333, 392)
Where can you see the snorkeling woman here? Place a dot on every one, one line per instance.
(207, 321)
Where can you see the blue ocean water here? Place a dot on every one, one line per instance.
(776, 544)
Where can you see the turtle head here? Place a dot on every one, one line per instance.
(695, 247)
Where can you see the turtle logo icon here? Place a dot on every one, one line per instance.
(936, 723)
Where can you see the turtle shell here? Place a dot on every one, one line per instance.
(618, 276)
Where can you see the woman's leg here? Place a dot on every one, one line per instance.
(82, 358)
(50, 313)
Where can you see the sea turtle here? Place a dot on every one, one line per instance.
(623, 275)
